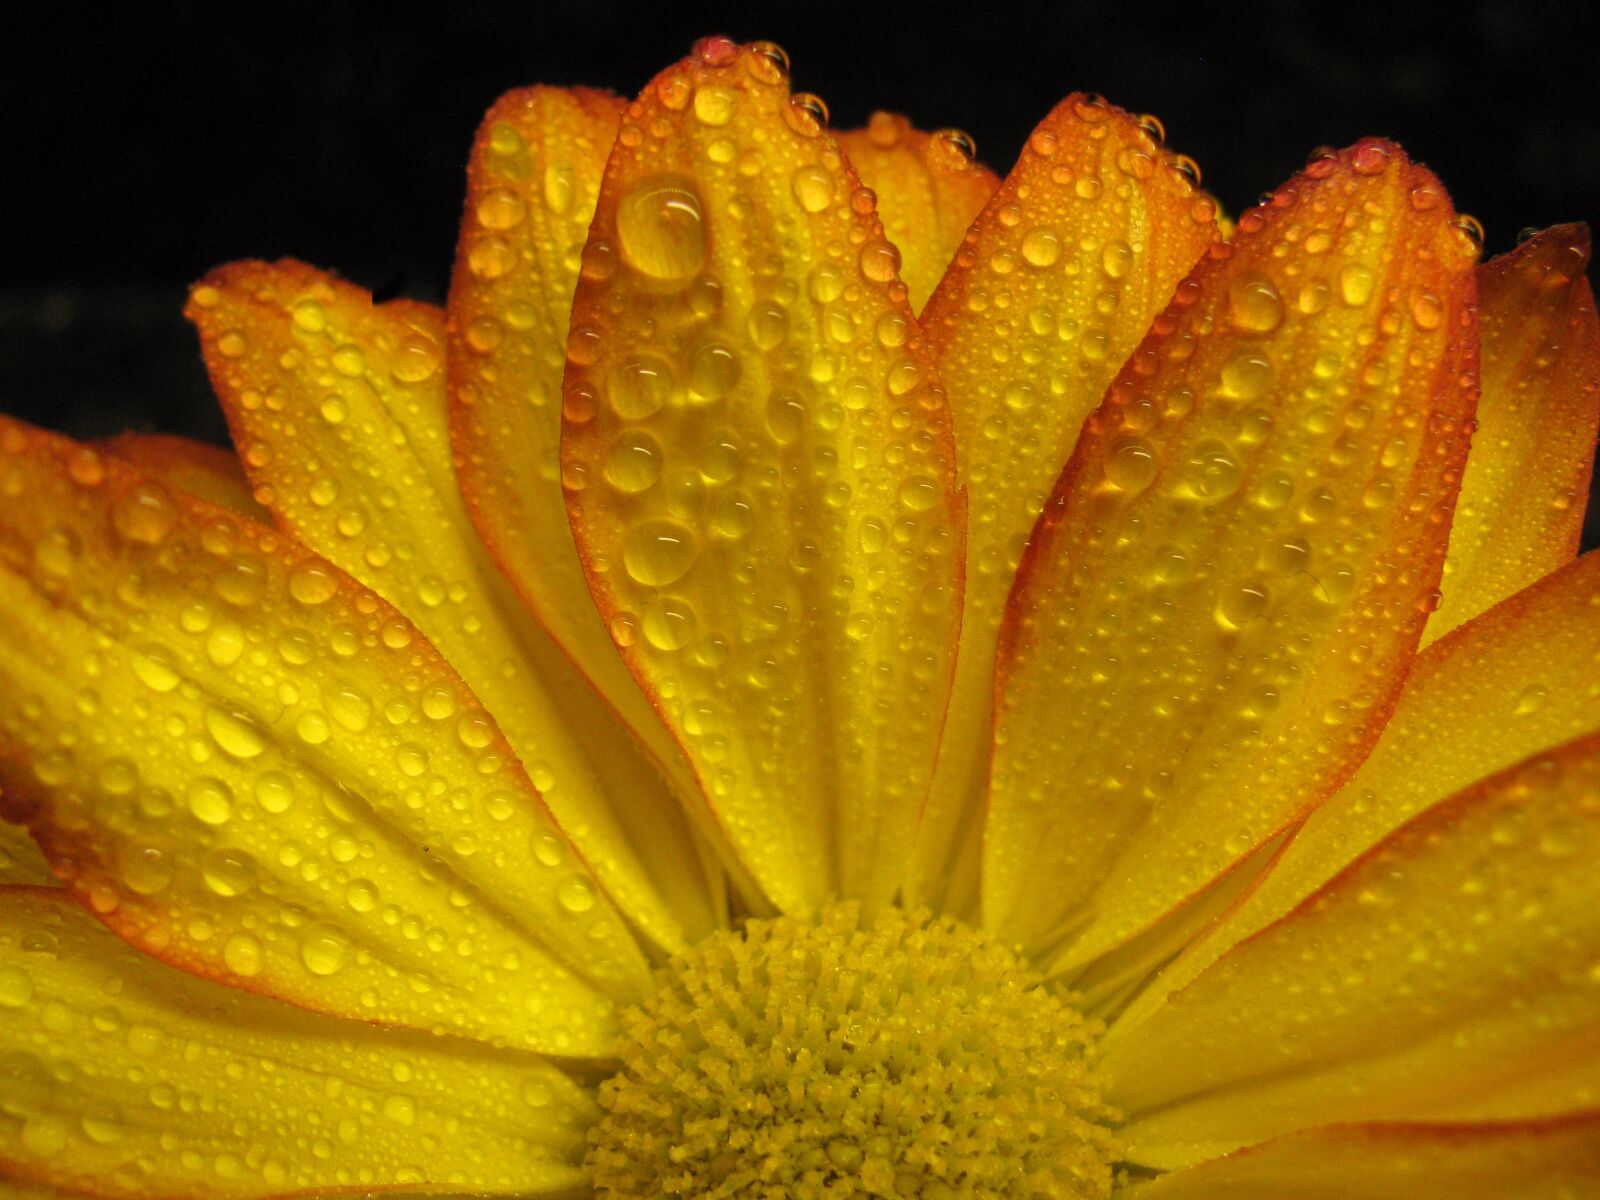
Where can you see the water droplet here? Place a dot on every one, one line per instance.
(154, 668)
(209, 799)
(500, 208)
(1041, 246)
(1471, 229)
(416, 360)
(807, 114)
(957, 140)
(1246, 375)
(1531, 699)
(235, 733)
(1130, 465)
(1240, 604)
(243, 955)
(324, 950)
(713, 372)
(662, 229)
(1355, 284)
(1254, 304)
(880, 261)
(1116, 258)
(16, 987)
(639, 387)
(1369, 158)
(813, 187)
(714, 105)
(312, 582)
(768, 62)
(1213, 473)
(274, 791)
(919, 493)
(144, 514)
(1152, 125)
(229, 871)
(669, 623)
(575, 894)
(633, 463)
(659, 552)
(144, 868)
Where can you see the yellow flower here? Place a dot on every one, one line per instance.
(526, 782)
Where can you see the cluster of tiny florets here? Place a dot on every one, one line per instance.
(901, 1056)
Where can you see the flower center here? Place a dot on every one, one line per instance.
(901, 1056)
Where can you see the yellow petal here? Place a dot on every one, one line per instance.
(531, 188)
(1517, 680)
(1058, 281)
(929, 191)
(126, 1078)
(774, 537)
(1448, 974)
(209, 472)
(1226, 587)
(20, 860)
(254, 768)
(1534, 1160)
(1527, 478)
(338, 407)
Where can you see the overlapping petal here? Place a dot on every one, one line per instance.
(929, 190)
(1531, 1160)
(760, 474)
(1527, 480)
(1449, 974)
(1053, 288)
(338, 408)
(126, 1078)
(531, 188)
(20, 860)
(253, 767)
(213, 474)
(1227, 585)
(1515, 681)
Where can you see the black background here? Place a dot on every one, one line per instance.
(143, 146)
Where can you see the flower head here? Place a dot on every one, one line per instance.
(822, 672)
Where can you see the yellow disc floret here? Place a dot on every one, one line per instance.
(902, 1056)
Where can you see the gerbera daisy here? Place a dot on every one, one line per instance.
(823, 673)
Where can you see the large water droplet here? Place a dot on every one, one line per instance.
(634, 462)
(1254, 304)
(657, 553)
(662, 229)
(324, 950)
